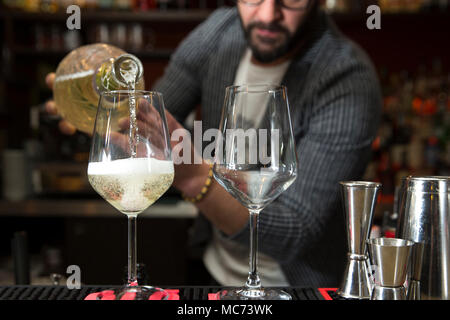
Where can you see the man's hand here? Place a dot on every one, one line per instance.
(64, 126)
(190, 177)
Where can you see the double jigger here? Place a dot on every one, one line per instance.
(383, 275)
(359, 199)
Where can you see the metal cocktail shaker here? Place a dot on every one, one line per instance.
(359, 199)
(415, 271)
(400, 197)
(424, 218)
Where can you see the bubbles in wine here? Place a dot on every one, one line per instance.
(131, 185)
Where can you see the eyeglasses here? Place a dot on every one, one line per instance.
(288, 4)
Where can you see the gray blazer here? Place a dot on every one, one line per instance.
(335, 106)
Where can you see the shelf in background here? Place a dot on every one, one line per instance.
(393, 17)
(194, 15)
(113, 16)
(49, 53)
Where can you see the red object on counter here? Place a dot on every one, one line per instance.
(213, 296)
(324, 292)
(109, 295)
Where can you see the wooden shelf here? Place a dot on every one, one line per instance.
(192, 15)
(49, 53)
(113, 16)
(392, 17)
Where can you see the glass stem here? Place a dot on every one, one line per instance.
(253, 281)
(132, 277)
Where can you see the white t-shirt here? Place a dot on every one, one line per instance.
(228, 261)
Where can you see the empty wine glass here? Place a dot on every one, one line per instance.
(130, 165)
(255, 161)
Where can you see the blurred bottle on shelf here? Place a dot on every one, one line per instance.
(119, 35)
(56, 39)
(384, 172)
(347, 6)
(436, 5)
(91, 4)
(105, 4)
(414, 155)
(34, 149)
(100, 34)
(432, 152)
(135, 37)
(164, 4)
(50, 6)
(144, 5)
(181, 4)
(132, 37)
(31, 5)
(40, 40)
(71, 39)
(202, 4)
(122, 5)
(2, 101)
(398, 6)
(16, 185)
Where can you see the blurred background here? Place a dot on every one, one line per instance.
(46, 203)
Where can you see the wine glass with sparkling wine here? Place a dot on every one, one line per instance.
(255, 161)
(130, 165)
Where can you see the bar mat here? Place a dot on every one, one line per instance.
(331, 294)
(25, 292)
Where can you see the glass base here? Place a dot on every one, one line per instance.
(253, 294)
(140, 293)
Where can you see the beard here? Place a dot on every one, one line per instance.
(266, 49)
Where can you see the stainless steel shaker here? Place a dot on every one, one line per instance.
(359, 198)
(415, 271)
(400, 197)
(424, 218)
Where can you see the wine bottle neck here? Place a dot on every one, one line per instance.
(127, 69)
(123, 72)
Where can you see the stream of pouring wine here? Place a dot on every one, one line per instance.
(134, 138)
(129, 73)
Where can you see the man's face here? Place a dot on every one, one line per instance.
(270, 28)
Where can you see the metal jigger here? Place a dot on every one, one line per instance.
(415, 271)
(391, 258)
(359, 199)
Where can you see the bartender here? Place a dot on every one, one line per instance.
(335, 104)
